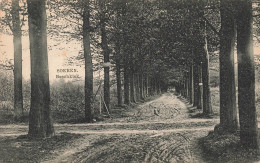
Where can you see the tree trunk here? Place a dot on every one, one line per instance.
(125, 57)
(196, 84)
(141, 80)
(147, 85)
(191, 86)
(132, 79)
(118, 80)
(17, 41)
(40, 124)
(207, 109)
(246, 75)
(88, 64)
(132, 86)
(228, 112)
(155, 84)
(159, 86)
(187, 86)
(184, 87)
(126, 80)
(200, 93)
(105, 48)
(150, 86)
(137, 86)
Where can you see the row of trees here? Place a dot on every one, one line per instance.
(40, 123)
(236, 27)
(154, 44)
(137, 83)
(13, 22)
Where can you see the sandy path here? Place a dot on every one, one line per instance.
(156, 131)
(142, 137)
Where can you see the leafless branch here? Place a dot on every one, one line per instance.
(69, 20)
(7, 67)
(210, 25)
(256, 15)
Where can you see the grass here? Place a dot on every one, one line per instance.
(137, 148)
(25, 150)
(215, 100)
(226, 148)
(67, 105)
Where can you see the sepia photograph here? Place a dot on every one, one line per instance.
(129, 81)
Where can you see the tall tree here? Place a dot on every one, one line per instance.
(228, 112)
(88, 63)
(104, 45)
(196, 84)
(200, 91)
(76, 26)
(126, 80)
(126, 62)
(40, 123)
(118, 76)
(17, 41)
(191, 85)
(132, 79)
(207, 108)
(246, 75)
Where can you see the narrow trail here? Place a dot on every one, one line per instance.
(156, 131)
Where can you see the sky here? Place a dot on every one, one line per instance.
(57, 56)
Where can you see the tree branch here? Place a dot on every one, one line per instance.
(210, 25)
(7, 67)
(77, 23)
(256, 15)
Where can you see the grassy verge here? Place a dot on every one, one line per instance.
(226, 148)
(24, 150)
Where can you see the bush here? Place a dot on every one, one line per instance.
(67, 101)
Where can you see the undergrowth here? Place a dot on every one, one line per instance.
(22, 149)
(226, 148)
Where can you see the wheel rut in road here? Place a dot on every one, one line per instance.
(168, 136)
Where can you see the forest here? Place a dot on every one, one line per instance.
(129, 80)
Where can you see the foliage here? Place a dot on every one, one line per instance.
(67, 100)
(6, 25)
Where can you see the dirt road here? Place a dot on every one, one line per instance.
(156, 131)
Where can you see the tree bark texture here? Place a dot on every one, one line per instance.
(118, 79)
(88, 63)
(132, 79)
(228, 112)
(141, 81)
(187, 86)
(207, 109)
(246, 75)
(191, 86)
(17, 41)
(105, 49)
(137, 87)
(126, 81)
(40, 123)
(196, 84)
(200, 93)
